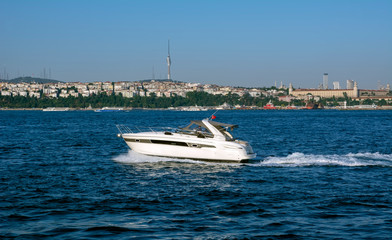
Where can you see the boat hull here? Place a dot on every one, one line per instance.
(190, 148)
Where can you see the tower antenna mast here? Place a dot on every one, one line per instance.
(168, 60)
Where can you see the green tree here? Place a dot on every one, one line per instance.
(382, 102)
(367, 101)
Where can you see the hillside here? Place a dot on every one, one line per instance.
(159, 80)
(30, 80)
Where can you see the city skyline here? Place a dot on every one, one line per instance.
(250, 44)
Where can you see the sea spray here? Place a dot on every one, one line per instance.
(351, 160)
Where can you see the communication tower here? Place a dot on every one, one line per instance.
(168, 60)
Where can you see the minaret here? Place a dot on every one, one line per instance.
(290, 89)
(168, 60)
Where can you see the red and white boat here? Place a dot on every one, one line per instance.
(269, 105)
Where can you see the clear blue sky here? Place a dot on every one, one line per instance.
(237, 43)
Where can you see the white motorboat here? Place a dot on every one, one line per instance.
(109, 109)
(55, 109)
(203, 140)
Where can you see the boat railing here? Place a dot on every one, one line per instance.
(135, 129)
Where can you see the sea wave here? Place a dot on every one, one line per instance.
(351, 160)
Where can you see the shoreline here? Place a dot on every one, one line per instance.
(60, 109)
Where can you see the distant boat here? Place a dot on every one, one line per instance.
(269, 106)
(311, 105)
(54, 109)
(109, 109)
(193, 108)
(291, 107)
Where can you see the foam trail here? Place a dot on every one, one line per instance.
(379, 156)
(134, 157)
(351, 160)
(293, 160)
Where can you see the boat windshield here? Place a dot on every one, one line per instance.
(225, 133)
(224, 129)
(200, 130)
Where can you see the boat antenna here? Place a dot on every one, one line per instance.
(213, 115)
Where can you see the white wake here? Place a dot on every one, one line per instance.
(293, 160)
(351, 160)
(134, 157)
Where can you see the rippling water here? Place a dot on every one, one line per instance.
(318, 174)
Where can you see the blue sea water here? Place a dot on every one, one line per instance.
(318, 175)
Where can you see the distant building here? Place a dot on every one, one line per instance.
(286, 98)
(355, 93)
(373, 93)
(336, 85)
(325, 93)
(350, 84)
(325, 81)
(5, 93)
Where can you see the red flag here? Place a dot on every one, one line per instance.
(213, 117)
